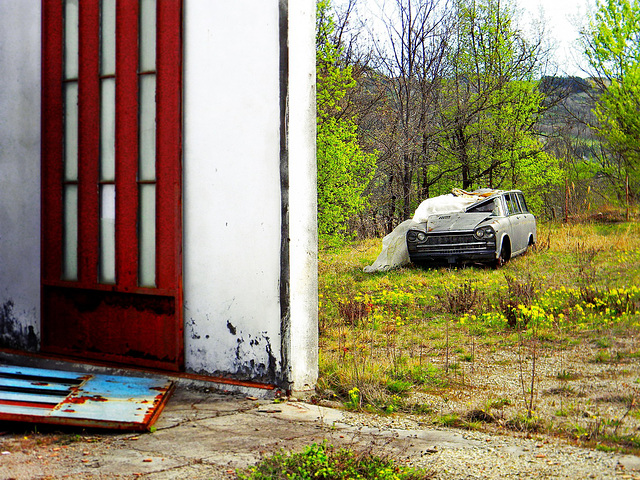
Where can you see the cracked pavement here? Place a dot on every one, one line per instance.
(200, 435)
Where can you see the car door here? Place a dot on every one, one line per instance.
(528, 221)
(516, 219)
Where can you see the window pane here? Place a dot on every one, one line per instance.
(70, 234)
(108, 129)
(147, 35)
(513, 205)
(147, 236)
(523, 203)
(107, 270)
(108, 37)
(147, 128)
(71, 131)
(71, 39)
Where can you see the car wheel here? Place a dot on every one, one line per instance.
(505, 253)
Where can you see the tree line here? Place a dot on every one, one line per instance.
(422, 96)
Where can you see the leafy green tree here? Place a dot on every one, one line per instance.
(344, 169)
(492, 102)
(409, 61)
(612, 45)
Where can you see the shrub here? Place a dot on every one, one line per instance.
(322, 461)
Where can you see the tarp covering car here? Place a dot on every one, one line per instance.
(394, 247)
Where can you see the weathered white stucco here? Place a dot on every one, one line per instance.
(235, 196)
(231, 186)
(20, 173)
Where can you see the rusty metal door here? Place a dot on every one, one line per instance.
(87, 400)
(111, 173)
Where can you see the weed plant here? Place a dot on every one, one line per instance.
(323, 461)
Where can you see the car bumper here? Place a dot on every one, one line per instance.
(451, 255)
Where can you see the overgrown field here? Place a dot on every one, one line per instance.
(549, 343)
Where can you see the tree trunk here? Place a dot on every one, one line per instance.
(392, 207)
(406, 188)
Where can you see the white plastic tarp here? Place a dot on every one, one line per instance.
(394, 246)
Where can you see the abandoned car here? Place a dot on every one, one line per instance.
(492, 230)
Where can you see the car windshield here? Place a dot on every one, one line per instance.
(490, 206)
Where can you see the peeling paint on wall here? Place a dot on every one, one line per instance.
(13, 334)
(249, 352)
(249, 356)
(191, 327)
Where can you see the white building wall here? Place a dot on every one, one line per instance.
(231, 185)
(20, 88)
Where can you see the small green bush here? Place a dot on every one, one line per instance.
(322, 461)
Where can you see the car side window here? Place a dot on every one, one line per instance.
(505, 206)
(523, 204)
(512, 204)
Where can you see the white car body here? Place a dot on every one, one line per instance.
(492, 230)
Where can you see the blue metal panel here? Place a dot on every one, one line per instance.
(73, 398)
(41, 373)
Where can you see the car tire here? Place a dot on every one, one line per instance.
(504, 255)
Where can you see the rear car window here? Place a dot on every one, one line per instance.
(523, 204)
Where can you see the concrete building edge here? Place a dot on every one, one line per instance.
(300, 342)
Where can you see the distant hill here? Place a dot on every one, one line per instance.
(569, 85)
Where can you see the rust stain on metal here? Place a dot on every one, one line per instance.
(83, 399)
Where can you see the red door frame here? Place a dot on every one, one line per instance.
(123, 323)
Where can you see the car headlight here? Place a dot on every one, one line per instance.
(484, 233)
(421, 237)
(411, 235)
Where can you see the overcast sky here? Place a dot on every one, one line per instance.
(564, 18)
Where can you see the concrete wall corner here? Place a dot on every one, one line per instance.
(302, 347)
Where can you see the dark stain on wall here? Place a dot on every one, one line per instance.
(12, 333)
(249, 361)
(250, 369)
(231, 328)
(283, 379)
(191, 326)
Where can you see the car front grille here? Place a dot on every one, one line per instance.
(449, 239)
(454, 244)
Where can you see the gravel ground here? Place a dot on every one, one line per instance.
(494, 456)
(584, 391)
